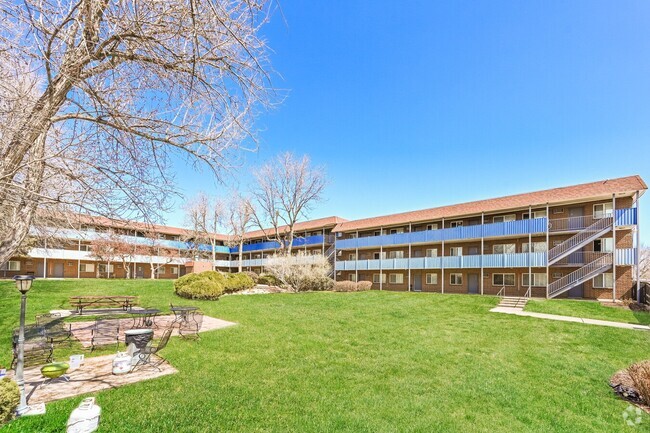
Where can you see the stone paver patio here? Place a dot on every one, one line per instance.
(82, 331)
(95, 374)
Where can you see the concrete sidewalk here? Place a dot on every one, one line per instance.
(520, 312)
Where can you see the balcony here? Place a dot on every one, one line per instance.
(623, 217)
(518, 260)
(521, 227)
(297, 242)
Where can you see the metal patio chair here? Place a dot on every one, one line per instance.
(145, 354)
(54, 328)
(105, 331)
(190, 326)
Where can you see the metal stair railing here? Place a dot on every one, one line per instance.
(576, 277)
(330, 253)
(601, 226)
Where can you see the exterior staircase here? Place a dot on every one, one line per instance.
(513, 302)
(579, 276)
(580, 239)
(330, 253)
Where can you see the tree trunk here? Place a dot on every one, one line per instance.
(241, 253)
(214, 255)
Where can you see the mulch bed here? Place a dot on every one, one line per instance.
(623, 385)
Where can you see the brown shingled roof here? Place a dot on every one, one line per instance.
(556, 196)
(303, 226)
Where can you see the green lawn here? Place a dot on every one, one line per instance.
(588, 310)
(357, 362)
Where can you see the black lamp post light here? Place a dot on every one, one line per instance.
(23, 283)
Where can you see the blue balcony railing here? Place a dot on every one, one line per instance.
(521, 227)
(297, 242)
(518, 260)
(626, 256)
(625, 217)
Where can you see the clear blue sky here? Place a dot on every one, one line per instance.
(417, 104)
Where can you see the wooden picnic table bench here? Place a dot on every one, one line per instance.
(123, 302)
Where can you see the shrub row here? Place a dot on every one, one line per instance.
(351, 286)
(9, 399)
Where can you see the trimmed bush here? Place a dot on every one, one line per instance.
(205, 285)
(269, 280)
(9, 399)
(317, 284)
(254, 276)
(237, 282)
(351, 286)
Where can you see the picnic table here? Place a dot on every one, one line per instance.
(123, 302)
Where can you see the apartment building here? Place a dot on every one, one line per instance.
(578, 241)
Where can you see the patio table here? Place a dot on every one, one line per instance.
(181, 313)
(144, 318)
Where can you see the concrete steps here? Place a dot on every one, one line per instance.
(513, 302)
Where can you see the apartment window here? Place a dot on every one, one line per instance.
(538, 247)
(536, 214)
(396, 255)
(504, 249)
(433, 226)
(396, 278)
(556, 243)
(174, 270)
(105, 268)
(353, 235)
(11, 265)
(396, 231)
(604, 245)
(558, 210)
(352, 277)
(84, 247)
(456, 279)
(504, 218)
(432, 252)
(379, 256)
(456, 251)
(557, 275)
(352, 256)
(503, 279)
(377, 233)
(161, 270)
(432, 279)
(602, 210)
(376, 278)
(87, 267)
(537, 280)
(455, 224)
(604, 281)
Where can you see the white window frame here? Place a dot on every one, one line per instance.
(504, 218)
(605, 212)
(87, 267)
(536, 214)
(456, 279)
(12, 265)
(557, 275)
(375, 278)
(606, 245)
(538, 279)
(431, 279)
(458, 223)
(108, 269)
(432, 226)
(558, 210)
(379, 256)
(397, 231)
(395, 278)
(457, 250)
(397, 254)
(174, 270)
(352, 277)
(377, 233)
(503, 278)
(538, 247)
(509, 248)
(431, 252)
(601, 281)
(352, 256)
(161, 270)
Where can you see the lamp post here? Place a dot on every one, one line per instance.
(23, 283)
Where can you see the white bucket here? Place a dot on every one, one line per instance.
(121, 363)
(85, 418)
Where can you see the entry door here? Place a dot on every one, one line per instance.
(472, 281)
(575, 222)
(577, 291)
(39, 269)
(58, 270)
(417, 282)
(140, 272)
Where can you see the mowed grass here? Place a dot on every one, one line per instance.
(357, 362)
(588, 310)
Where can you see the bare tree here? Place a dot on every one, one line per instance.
(97, 97)
(301, 272)
(103, 249)
(155, 251)
(286, 190)
(644, 263)
(205, 215)
(239, 220)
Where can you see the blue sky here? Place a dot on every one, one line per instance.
(417, 104)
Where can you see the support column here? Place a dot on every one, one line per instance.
(409, 259)
(323, 243)
(356, 260)
(548, 222)
(381, 260)
(638, 252)
(45, 259)
(614, 247)
(79, 259)
(482, 247)
(442, 260)
(530, 249)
